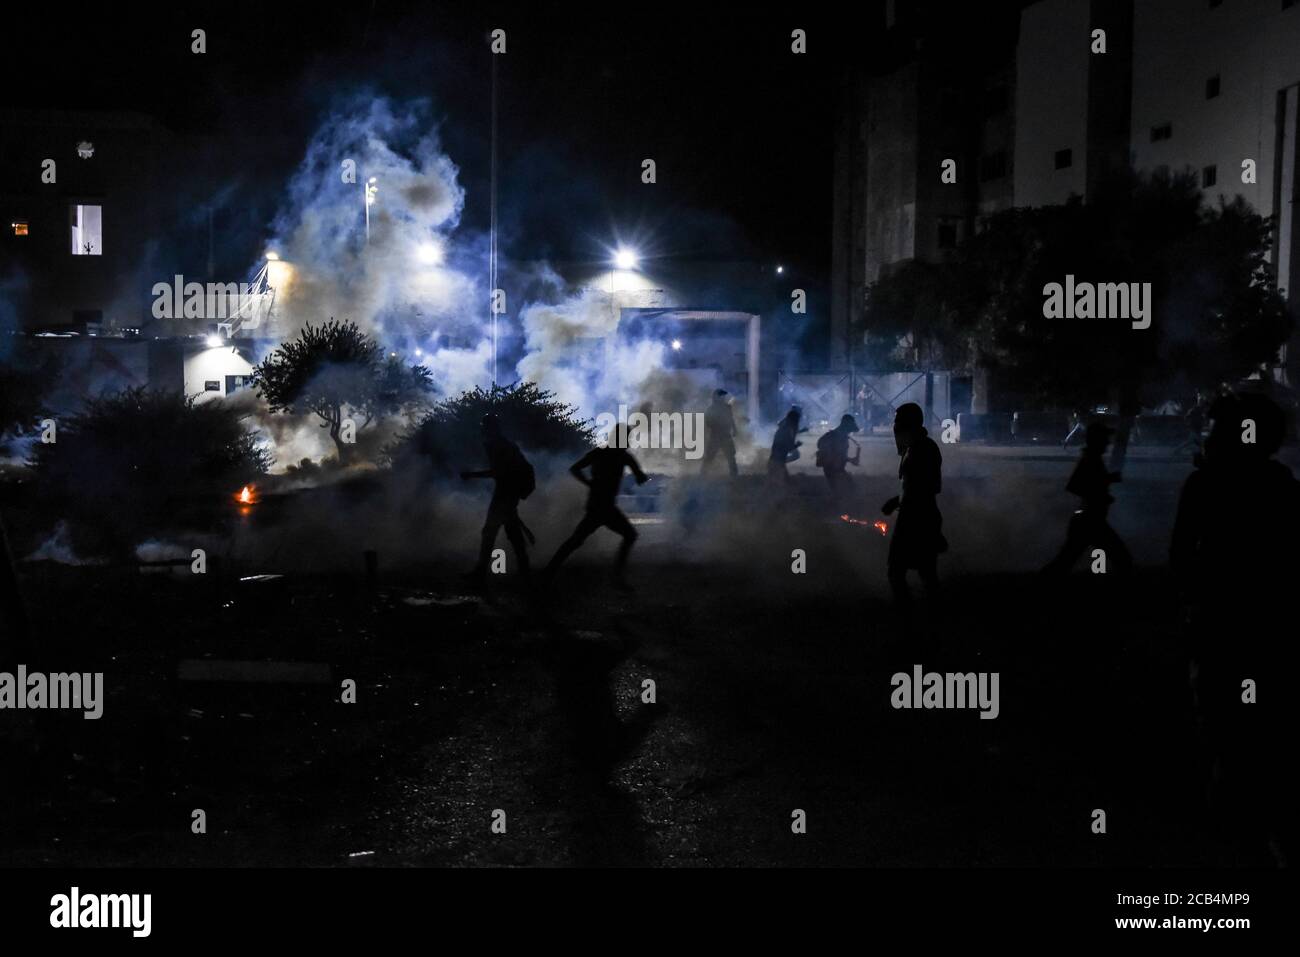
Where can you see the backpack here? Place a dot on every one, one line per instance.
(825, 457)
(525, 479)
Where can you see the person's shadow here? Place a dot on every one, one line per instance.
(594, 741)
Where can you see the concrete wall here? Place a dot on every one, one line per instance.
(1052, 64)
(1254, 48)
(213, 365)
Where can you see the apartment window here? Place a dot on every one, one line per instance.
(87, 230)
(19, 228)
(236, 382)
(993, 166)
(947, 234)
(1212, 87)
(1209, 176)
(1064, 159)
(1161, 132)
(211, 385)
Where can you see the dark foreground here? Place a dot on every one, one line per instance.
(772, 694)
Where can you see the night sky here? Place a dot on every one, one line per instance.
(741, 129)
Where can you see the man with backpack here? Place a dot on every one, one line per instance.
(513, 480)
(833, 457)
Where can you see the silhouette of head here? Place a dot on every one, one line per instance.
(909, 425)
(792, 417)
(1223, 444)
(490, 425)
(848, 424)
(1097, 436)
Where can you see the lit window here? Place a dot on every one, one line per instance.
(87, 230)
(20, 228)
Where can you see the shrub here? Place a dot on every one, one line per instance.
(449, 439)
(132, 462)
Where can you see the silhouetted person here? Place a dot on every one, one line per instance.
(1078, 423)
(833, 457)
(720, 432)
(785, 447)
(918, 538)
(512, 479)
(1233, 551)
(1088, 528)
(607, 467)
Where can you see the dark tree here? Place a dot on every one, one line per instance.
(529, 415)
(1217, 315)
(335, 370)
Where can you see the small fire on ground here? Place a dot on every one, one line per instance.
(878, 525)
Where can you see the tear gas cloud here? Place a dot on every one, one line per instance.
(419, 284)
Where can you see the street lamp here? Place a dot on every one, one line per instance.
(625, 258)
(371, 190)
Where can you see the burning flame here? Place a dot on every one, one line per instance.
(246, 495)
(880, 526)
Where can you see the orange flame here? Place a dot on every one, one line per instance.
(881, 527)
(246, 496)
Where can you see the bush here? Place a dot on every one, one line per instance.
(132, 462)
(449, 438)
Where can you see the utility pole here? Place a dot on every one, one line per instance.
(492, 231)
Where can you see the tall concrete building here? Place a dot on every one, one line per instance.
(1201, 85)
(1072, 104)
(1216, 89)
(938, 97)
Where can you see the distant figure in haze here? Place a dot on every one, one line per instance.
(917, 538)
(1078, 423)
(1233, 552)
(606, 466)
(833, 457)
(1088, 528)
(720, 432)
(513, 480)
(785, 447)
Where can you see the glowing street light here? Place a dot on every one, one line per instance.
(429, 253)
(625, 258)
(677, 345)
(780, 270)
(214, 342)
